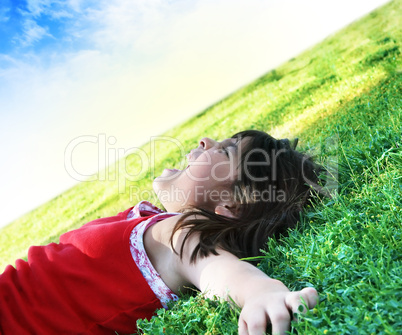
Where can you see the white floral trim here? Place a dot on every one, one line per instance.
(143, 208)
(154, 280)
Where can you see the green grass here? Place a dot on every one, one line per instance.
(342, 98)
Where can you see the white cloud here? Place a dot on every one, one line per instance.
(53, 8)
(36, 7)
(120, 23)
(4, 14)
(32, 32)
(75, 5)
(36, 10)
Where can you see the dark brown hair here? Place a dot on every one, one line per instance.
(274, 183)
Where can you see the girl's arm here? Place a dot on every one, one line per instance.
(263, 300)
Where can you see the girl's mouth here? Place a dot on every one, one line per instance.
(173, 170)
(177, 170)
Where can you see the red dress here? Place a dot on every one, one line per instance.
(86, 284)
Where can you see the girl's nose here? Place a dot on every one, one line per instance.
(207, 143)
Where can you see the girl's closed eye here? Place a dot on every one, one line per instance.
(223, 150)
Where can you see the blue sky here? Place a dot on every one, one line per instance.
(39, 25)
(130, 69)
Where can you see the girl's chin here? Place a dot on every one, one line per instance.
(169, 174)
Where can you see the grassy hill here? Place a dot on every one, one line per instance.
(342, 98)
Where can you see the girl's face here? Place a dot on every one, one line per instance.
(206, 182)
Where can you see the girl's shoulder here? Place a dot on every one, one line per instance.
(163, 252)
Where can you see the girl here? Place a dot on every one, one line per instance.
(101, 278)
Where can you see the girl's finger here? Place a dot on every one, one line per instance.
(242, 327)
(253, 323)
(280, 321)
(296, 301)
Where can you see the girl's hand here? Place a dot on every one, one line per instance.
(275, 304)
(263, 300)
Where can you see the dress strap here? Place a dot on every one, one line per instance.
(154, 280)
